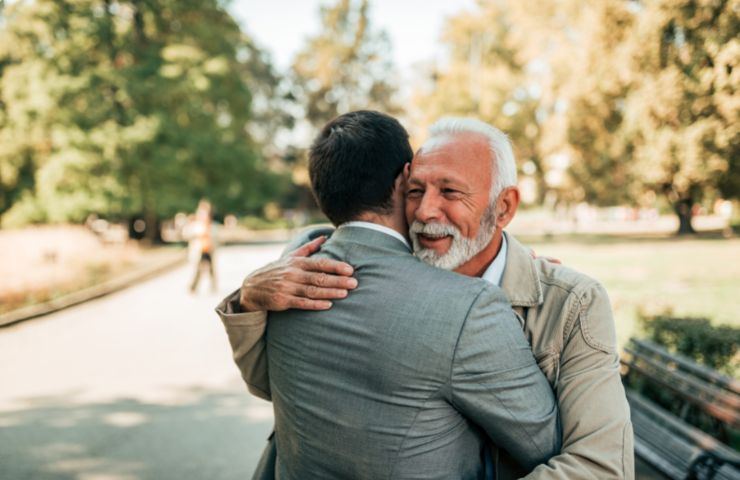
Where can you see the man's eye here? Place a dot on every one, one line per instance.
(450, 191)
(415, 192)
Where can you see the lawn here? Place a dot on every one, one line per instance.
(697, 276)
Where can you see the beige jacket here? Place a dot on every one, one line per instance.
(568, 321)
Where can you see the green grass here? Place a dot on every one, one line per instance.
(697, 276)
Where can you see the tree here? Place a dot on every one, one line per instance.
(635, 98)
(130, 108)
(670, 116)
(345, 67)
(600, 164)
(506, 62)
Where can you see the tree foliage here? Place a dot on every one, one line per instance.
(658, 106)
(127, 107)
(143, 106)
(486, 77)
(640, 98)
(600, 170)
(345, 67)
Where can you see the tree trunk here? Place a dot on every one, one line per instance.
(683, 209)
(152, 234)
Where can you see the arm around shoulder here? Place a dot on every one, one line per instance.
(246, 331)
(306, 235)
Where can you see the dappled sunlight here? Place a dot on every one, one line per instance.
(95, 469)
(127, 438)
(124, 419)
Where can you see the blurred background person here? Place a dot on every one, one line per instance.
(200, 234)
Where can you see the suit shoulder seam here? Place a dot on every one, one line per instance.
(459, 333)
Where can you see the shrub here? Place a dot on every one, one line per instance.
(696, 338)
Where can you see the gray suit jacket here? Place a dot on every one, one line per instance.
(403, 378)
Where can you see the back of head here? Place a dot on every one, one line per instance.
(353, 164)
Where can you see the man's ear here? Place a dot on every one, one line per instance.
(401, 179)
(506, 206)
(400, 183)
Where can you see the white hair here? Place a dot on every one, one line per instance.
(503, 167)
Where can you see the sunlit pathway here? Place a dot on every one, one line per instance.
(136, 385)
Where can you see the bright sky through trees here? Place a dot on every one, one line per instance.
(414, 26)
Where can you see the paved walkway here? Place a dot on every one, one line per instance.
(136, 385)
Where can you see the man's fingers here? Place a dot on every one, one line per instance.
(302, 303)
(547, 259)
(318, 293)
(325, 280)
(556, 261)
(310, 248)
(326, 265)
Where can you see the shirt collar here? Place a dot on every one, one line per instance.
(495, 270)
(378, 228)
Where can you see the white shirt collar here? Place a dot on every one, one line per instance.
(377, 228)
(495, 270)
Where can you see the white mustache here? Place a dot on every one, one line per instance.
(433, 228)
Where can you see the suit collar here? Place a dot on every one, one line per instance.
(379, 228)
(369, 237)
(521, 281)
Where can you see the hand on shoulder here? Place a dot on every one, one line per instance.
(297, 281)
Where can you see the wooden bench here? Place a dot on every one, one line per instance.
(663, 436)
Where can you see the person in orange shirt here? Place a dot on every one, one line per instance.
(202, 244)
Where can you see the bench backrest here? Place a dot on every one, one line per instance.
(715, 394)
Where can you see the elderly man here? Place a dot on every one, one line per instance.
(461, 194)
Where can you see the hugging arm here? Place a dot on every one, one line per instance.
(293, 281)
(495, 382)
(246, 332)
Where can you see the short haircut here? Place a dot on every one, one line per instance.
(353, 164)
(504, 165)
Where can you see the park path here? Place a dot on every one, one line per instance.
(136, 385)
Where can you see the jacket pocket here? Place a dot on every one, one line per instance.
(549, 363)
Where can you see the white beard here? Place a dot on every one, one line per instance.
(462, 248)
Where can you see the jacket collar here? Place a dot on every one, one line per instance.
(369, 237)
(521, 281)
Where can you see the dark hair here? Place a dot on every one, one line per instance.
(353, 164)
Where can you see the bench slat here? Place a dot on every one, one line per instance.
(666, 421)
(720, 413)
(706, 373)
(727, 472)
(725, 396)
(643, 451)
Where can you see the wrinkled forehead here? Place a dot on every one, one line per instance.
(454, 150)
